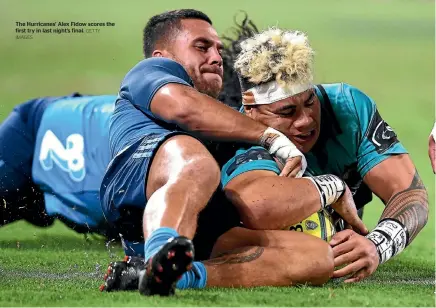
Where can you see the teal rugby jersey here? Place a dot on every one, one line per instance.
(353, 139)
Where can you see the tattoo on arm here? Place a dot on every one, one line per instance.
(239, 255)
(410, 207)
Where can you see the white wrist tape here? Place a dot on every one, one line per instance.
(330, 188)
(390, 238)
(281, 147)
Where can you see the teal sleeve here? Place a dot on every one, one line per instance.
(376, 139)
(254, 158)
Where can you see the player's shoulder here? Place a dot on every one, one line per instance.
(346, 101)
(248, 158)
(159, 64)
(342, 93)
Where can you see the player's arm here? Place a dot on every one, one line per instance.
(397, 182)
(432, 148)
(266, 201)
(389, 172)
(162, 90)
(201, 114)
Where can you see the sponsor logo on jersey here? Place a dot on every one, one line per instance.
(311, 225)
(381, 134)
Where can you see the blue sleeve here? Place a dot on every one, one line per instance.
(147, 77)
(377, 141)
(254, 158)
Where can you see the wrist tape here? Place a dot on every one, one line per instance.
(282, 148)
(390, 237)
(330, 188)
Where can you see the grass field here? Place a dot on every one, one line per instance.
(386, 48)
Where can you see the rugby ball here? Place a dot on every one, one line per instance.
(319, 224)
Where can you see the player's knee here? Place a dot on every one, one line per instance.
(183, 159)
(316, 263)
(232, 239)
(322, 266)
(204, 170)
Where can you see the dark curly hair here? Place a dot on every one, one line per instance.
(231, 92)
(162, 27)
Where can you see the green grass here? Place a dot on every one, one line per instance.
(385, 48)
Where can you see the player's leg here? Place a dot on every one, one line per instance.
(161, 183)
(20, 197)
(246, 258)
(182, 179)
(249, 258)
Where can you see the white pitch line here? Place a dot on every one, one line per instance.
(71, 275)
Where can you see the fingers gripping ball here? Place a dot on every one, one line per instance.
(319, 224)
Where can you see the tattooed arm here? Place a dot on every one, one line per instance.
(397, 183)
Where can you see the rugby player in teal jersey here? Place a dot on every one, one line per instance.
(342, 135)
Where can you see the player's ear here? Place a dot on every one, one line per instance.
(162, 53)
(157, 53)
(248, 111)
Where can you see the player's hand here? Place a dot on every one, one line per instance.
(346, 208)
(293, 167)
(356, 252)
(432, 152)
(285, 151)
(123, 275)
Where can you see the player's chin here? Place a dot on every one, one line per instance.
(212, 89)
(213, 80)
(306, 147)
(306, 144)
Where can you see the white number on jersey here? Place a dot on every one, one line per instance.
(70, 158)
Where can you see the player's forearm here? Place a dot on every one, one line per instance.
(410, 207)
(271, 203)
(217, 121)
(396, 181)
(202, 115)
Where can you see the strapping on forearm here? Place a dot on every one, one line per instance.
(390, 237)
(330, 188)
(281, 147)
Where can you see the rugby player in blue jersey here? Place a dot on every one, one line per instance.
(53, 154)
(162, 177)
(341, 133)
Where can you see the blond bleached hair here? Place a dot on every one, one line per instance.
(276, 54)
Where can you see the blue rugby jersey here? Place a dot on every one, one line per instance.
(71, 155)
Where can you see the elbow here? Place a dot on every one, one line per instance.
(254, 211)
(177, 114)
(187, 119)
(255, 216)
(253, 223)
